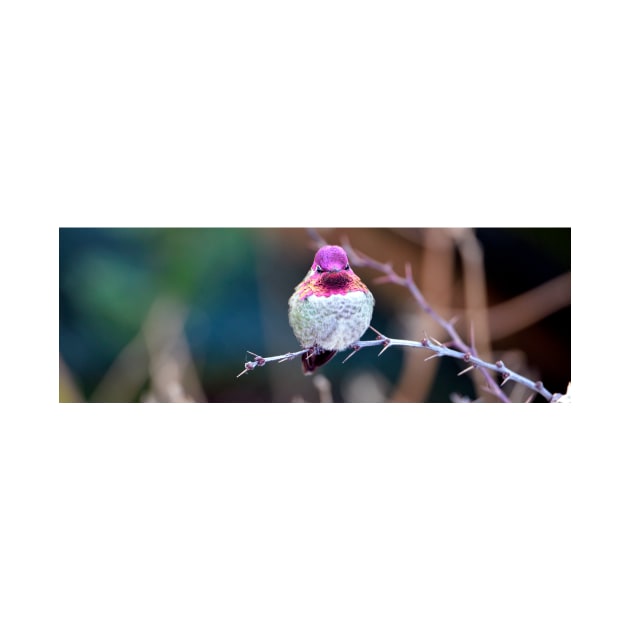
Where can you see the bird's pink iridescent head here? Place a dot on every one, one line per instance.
(330, 258)
(330, 274)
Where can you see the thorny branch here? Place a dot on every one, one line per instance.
(389, 275)
(438, 349)
(463, 352)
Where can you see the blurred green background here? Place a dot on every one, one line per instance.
(168, 314)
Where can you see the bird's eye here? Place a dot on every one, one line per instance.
(347, 267)
(318, 269)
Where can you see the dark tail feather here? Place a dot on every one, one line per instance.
(314, 359)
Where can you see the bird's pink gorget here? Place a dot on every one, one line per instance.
(329, 283)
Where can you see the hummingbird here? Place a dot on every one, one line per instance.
(330, 309)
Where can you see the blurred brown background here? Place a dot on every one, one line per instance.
(168, 314)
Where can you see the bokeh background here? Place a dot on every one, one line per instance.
(169, 314)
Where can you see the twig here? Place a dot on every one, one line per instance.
(438, 349)
(260, 361)
(361, 260)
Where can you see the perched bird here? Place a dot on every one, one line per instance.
(330, 309)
